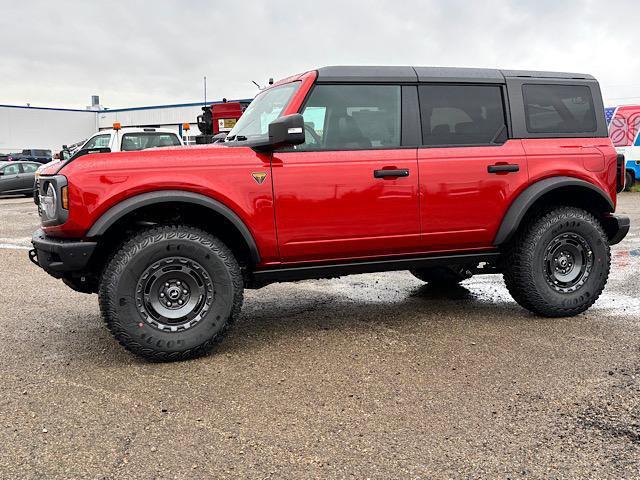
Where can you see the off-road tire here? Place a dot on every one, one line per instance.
(628, 181)
(130, 323)
(525, 263)
(442, 275)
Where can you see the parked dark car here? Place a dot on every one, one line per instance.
(17, 177)
(31, 155)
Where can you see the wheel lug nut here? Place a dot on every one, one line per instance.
(184, 291)
(179, 302)
(168, 304)
(166, 284)
(178, 283)
(162, 295)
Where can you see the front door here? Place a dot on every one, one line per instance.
(350, 190)
(10, 178)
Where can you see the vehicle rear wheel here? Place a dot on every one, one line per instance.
(628, 181)
(442, 275)
(559, 264)
(170, 292)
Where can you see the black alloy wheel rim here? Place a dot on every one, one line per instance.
(174, 294)
(568, 262)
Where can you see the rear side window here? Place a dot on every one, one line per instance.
(42, 153)
(29, 167)
(144, 140)
(559, 109)
(352, 117)
(462, 115)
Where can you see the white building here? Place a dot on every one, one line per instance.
(50, 128)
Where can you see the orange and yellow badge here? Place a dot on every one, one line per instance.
(259, 177)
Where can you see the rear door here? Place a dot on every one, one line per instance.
(470, 171)
(352, 189)
(27, 177)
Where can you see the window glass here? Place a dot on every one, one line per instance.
(99, 141)
(559, 109)
(264, 109)
(144, 140)
(462, 115)
(29, 167)
(12, 169)
(346, 117)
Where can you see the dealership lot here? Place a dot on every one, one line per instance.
(372, 376)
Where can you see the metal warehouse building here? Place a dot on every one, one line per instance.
(50, 128)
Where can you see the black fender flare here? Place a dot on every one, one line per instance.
(520, 206)
(118, 211)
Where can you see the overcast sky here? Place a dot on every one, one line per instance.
(134, 53)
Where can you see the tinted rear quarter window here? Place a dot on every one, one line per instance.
(559, 109)
(462, 115)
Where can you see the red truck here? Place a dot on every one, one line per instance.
(218, 119)
(445, 172)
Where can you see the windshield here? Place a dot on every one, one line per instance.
(264, 109)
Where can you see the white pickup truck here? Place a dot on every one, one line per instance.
(120, 140)
(129, 139)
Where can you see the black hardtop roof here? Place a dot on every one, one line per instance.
(394, 74)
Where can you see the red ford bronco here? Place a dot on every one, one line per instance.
(445, 172)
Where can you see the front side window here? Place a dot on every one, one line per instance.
(559, 109)
(144, 140)
(99, 141)
(12, 169)
(344, 117)
(462, 115)
(264, 109)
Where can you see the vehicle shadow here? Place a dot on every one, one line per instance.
(295, 313)
(424, 307)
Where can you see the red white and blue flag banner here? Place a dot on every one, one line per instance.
(624, 125)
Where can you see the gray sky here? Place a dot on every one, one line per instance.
(133, 53)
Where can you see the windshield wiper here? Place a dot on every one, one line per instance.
(240, 138)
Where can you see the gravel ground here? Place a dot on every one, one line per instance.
(369, 376)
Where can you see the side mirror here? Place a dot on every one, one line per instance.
(283, 131)
(288, 130)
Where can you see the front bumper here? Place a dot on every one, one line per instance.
(617, 227)
(59, 256)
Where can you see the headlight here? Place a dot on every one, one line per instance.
(50, 202)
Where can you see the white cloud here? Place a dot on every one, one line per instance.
(138, 53)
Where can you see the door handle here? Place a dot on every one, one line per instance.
(503, 168)
(389, 172)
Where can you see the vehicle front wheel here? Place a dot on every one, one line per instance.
(170, 292)
(559, 264)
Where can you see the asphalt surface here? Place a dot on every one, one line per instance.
(369, 376)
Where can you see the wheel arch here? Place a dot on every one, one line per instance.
(573, 191)
(176, 198)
